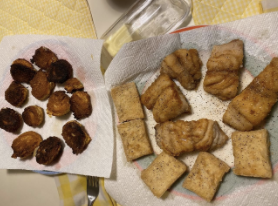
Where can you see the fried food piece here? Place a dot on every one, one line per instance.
(135, 139)
(59, 71)
(162, 173)
(22, 71)
(206, 175)
(33, 115)
(76, 136)
(222, 77)
(41, 87)
(16, 94)
(73, 84)
(170, 104)
(58, 104)
(10, 120)
(254, 103)
(25, 144)
(185, 66)
(157, 87)
(44, 57)
(127, 102)
(49, 150)
(251, 153)
(80, 105)
(179, 137)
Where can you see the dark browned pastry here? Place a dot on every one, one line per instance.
(80, 104)
(49, 150)
(59, 71)
(10, 120)
(33, 115)
(73, 84)
(41, 87)
(58, 104)
(44, 57)
(16, 94)
(75, 136)
(22, 71)
(25, 144)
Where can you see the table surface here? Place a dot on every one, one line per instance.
(20, 187)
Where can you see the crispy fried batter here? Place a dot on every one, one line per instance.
(73, 84)
(33, 115)
(185, 66)
(16, 94)
(49, 150)
(80, 105)
(59, 71)
(41, 87)
(75, 136)
(10, 120)
(22, 71)
(222, 77)
(58, 104)
(25, 144)
(43, 58)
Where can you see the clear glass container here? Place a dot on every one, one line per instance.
(146, 18)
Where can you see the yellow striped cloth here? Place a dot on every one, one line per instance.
(207, 12)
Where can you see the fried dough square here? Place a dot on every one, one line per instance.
(251, 153)
(162, 173)
(127, 102)
(135, 139)
(205, 176)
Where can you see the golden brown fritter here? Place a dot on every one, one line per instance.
(49, 150)
(16, 94)
(178, 137)
(248, 109)
(44, 57)
(33, 116)
(41, 87)
(80, 105)
(59, 71)
(185, 66)
(73, 84)
(58, 104)
(149, 97)
(25, 144)
(10, 120)
(22, 71)
(222, 77)
(75, 136)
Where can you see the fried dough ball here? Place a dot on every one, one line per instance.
(59, 71)
(44, 57)
(22, 71)
(41, 87)
(33, 116)
(58, 104)
(25, 144)
(73, 84)
(80, 104)
(10, 120)
(49, 150)
(75, 136)
(16, 94)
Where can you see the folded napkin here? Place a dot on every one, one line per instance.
(206, 12)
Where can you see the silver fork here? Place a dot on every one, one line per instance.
(92, 189)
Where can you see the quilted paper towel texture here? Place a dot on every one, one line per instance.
(206, 12)
(84, 55)
(139, 62)
(47, 17)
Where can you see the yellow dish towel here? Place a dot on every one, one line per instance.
(207, 12)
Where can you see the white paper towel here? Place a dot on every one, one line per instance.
(139, 62)
(84, 56)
